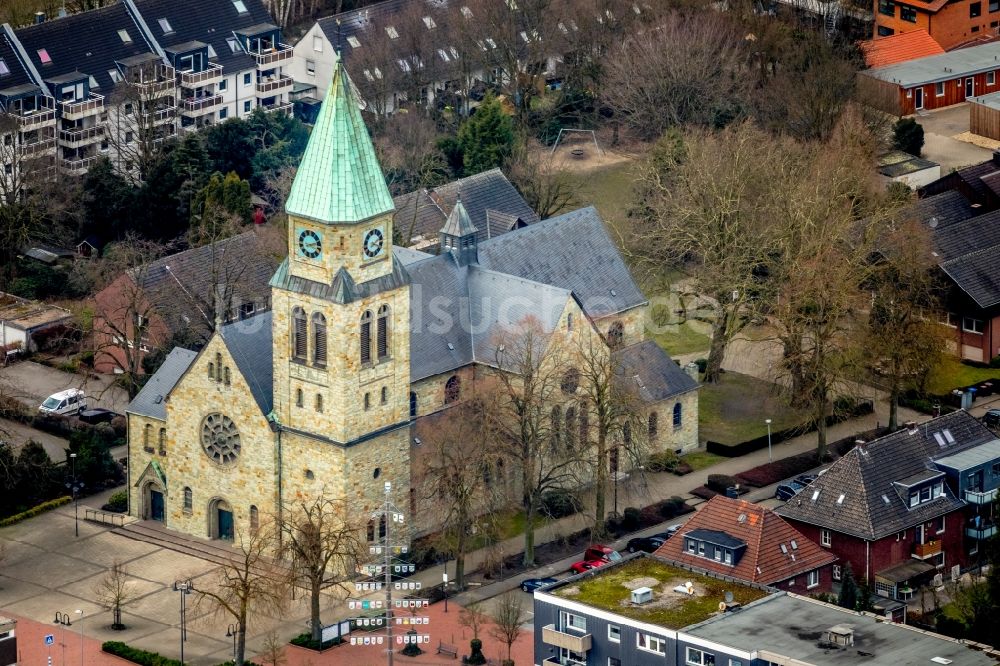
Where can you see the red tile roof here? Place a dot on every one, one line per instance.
(762, 530)
(905, 46)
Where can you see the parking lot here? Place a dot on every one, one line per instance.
(32, 382)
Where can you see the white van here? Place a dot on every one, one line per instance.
(69, 401)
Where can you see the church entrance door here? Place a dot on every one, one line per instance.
(156, 505)
(225, 524)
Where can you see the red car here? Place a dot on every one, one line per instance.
(587, 565)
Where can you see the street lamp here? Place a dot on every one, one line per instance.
(80, 613)
(231, 631)
(444, 578)
(184, 587)
(75, 486)
(769, 458)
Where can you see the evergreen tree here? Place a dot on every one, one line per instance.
(487, 138)
(908, 136)
(848, 597)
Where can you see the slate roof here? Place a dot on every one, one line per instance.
(208, 21)
(969, 235)
(973, 176)
(572, 251)
(899, 48)
(249, 341)
(18, 74)
(941, 210)
(873, 506)
(648, 368)
(87, 42)
(339, 178)
(458, 223)
(150, 400)
(494, 206)
(977, 274)
(761, 530)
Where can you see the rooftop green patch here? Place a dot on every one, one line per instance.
(611, 590)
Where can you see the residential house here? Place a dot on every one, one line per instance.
(951, 23)
(899, 48)
(978, 183)
(932, 82)
(143, 309)
(908, 507)
(114, 80)
(899, 167)
(494, 206)
(21, 320)
(648, 611)
(750, 543)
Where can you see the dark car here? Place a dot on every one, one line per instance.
(532, 584)
(806, 479)
(97, 415)
(787, 491)
(670, 531)
(646, 544)
(991, 419)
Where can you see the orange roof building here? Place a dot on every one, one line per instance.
(899, 48)
(748, 542)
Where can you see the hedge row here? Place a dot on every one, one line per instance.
(306, 641)
(147, 658)
(36, 510)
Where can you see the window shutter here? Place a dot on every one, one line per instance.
(382, 343)
(299, 343)
(366, 340)
(319, 342)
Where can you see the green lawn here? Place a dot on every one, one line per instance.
(733, 410)
(951, 374)
(683, 339)
(609, 189)
(701, 459)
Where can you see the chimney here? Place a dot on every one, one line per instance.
(39, 17)
(911, 427)
(692, 370)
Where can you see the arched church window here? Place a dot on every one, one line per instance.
(366, 337)
(319, 402)
(654, 424)
(299, 333)
(226, 374)
(385, 395)
(584, 422)
(413, 405)
(570, 428)
(211, 371)
(163, 442)
(218, 367)
(147, 434)
(298, 397)
(254, 518)
(368, 400)
(188, 499)
(678, 415)
(452, 389)
(319, 338)
(382, 342)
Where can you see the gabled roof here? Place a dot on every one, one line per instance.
(208, 21)
(977, 274)
(250, 344)
(554, 251)
(761, 530)
(151, 400)
(339, 178)
(859, 493)
(18, 75)
(935, 68)
(88, 42)
(897, 48)
(645, 367)
(970, 235)
(941, 210)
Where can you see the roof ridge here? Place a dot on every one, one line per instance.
(511, 276)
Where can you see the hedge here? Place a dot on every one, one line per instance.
(306, 641)
(147, 658)
(36, 510)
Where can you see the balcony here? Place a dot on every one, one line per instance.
(284, 107)
(79, 166)
(30, 119)
(274, 85)
(566, 661)
(923, 551)
(271, 57)
(91, 106)
(79, 137)
(213, 74)
(38, 148)
(199, 105)
(984, 530)
(573, 642)
(164, 115)
(977, 497)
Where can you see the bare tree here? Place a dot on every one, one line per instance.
(326, 543)
(474, 617)
(375, 71)
(115, 590)
(508, 616)
(547, 189)
(273, 653)
(407, 147)
(250, 583)
(140, 117)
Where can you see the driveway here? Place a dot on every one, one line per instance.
(32, 382)
(940, 128)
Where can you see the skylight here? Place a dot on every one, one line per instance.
(885, 498)
(815, 495)
(840, 500)
(211, 52)
(454, 52)
(948, 436)
(368, 75)
(391, 31)
(403, 65)
(4, 69)
(940, 440)
(115, 75)
(444, 56)
(165, 26)
(489, 40)
(233, 43)
(240, 7)
(794, 544)
(429, 22)
(44, 56)
(466, 12)
(353, 41)
(126, 38)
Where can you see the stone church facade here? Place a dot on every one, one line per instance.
(323, 393)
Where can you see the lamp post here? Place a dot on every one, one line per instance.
(80, 613)
(184, 587)
(75, 487)
(231, 631)
(444, 579)
(769, 458)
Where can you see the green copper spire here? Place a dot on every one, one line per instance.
(339, 178)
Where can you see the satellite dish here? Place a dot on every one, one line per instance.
(722, 606)
(932, 223)
(729, 597)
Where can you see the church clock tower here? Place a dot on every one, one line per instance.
(341, 310)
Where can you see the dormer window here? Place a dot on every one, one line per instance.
(353, 41)
(165, 26)
(125, 37)
(4, 70)
(44, 56)
(926, 494)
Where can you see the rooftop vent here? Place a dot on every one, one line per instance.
(911, 427)
(642, 595)
(841, 635)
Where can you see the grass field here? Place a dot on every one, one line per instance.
(609, 189)
(702, 459)
(951, 374)
(733, 410)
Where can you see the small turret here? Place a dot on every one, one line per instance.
(458, 236)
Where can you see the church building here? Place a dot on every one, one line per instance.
(322, 393)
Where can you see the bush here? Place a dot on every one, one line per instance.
(702, 364)
(908, 136)
(138, 656)
(35, 510)
(560, 503)
(305, 641)
(662, 461)
(704, 492)
(682, 469)
(476, 654)
(674, 506)
(118, 502)
(720, 482)
(630, 518)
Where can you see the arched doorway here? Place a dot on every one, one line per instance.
(220, 520)
(153, 502)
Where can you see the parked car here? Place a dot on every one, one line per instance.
(670, 531)
(587, 565)
(532, 584)
(645, 544)
(97, 415)
(601, 552)
(991, 419)
(787, 491)
(67, 402)
(806, 479)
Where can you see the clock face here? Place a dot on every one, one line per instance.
(310, 244)
(374, 243)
